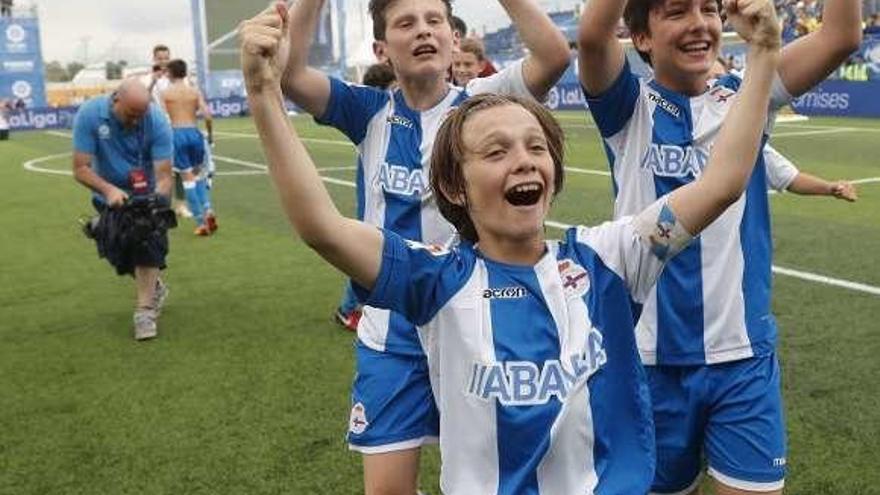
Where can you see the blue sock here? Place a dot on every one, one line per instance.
(203, 193)
(192, 200)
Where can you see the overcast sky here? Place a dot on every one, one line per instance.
(113, 30)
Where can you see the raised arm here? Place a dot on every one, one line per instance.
(307, 87)
(810, 59)
(600, 54)
(353, 247)
(548, 50)
(733, 156)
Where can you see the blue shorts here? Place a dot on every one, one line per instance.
(189, 148)
(392, 403)
(732, 411)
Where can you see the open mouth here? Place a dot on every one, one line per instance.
(424, 50)
(696, 47)
(525, 194)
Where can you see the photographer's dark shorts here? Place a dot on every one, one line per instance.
(124, 247)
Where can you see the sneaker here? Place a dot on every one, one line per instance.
(211, 222)
(159, 296)
(202, 231)
(144, 324)
(348, 321)
(183, 211)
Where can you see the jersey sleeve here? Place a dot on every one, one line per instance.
(613, 108)
(638, 247)
(780, 171)
(510, 81)
(161, 144)
(84, 138)
(415, 279)
(351, 107)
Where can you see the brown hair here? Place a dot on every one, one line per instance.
(377, 12)
(447, 175)
(473, 45)
(160, 48)
(177, 69)
(636, 15)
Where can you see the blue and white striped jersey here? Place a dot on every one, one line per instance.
(712, 303)
(535, 368)
(394, 144)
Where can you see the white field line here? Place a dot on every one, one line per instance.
(337, 142)
(835, 130)
(802, 275)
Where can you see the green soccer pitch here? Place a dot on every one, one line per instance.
(246, 388)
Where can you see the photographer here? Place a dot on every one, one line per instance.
(122, 152)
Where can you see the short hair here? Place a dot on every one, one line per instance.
(379, 76)
(160, 48)
(447, 157)
(473, 45)
(636, 15)
(177, 69)
(380, 24)
(459, 25)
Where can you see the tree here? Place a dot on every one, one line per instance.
(114, 69)
(55, 72)
(73, 69)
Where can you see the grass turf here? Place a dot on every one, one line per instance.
(246, 390)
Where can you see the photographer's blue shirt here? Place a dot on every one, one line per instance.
(115, 149)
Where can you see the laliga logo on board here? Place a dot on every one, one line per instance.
(553, 98)
(21, 89)
(15, 34)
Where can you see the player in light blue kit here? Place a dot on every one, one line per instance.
(393, 411)
(530, 343)
(706, 332)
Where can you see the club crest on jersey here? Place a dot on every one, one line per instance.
(435, 249)
(721, 94)
(357, 421)
(575, 279)
(672, 160)
(400, 120)
(104, 131)
(401, 180)
(521, 383)
(668, 106)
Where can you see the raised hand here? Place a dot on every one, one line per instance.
(264, 47)
(755, 21)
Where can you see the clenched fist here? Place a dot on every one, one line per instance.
(264, 47)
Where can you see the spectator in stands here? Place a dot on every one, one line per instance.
(122, 150)
(6, 8)
(183, 103)
(873, 24)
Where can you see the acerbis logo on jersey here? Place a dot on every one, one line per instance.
(398, 120)
(515, 292)
(520, 383)
(401, 180)
(665, 104)
(670, 160)
(357, 421)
